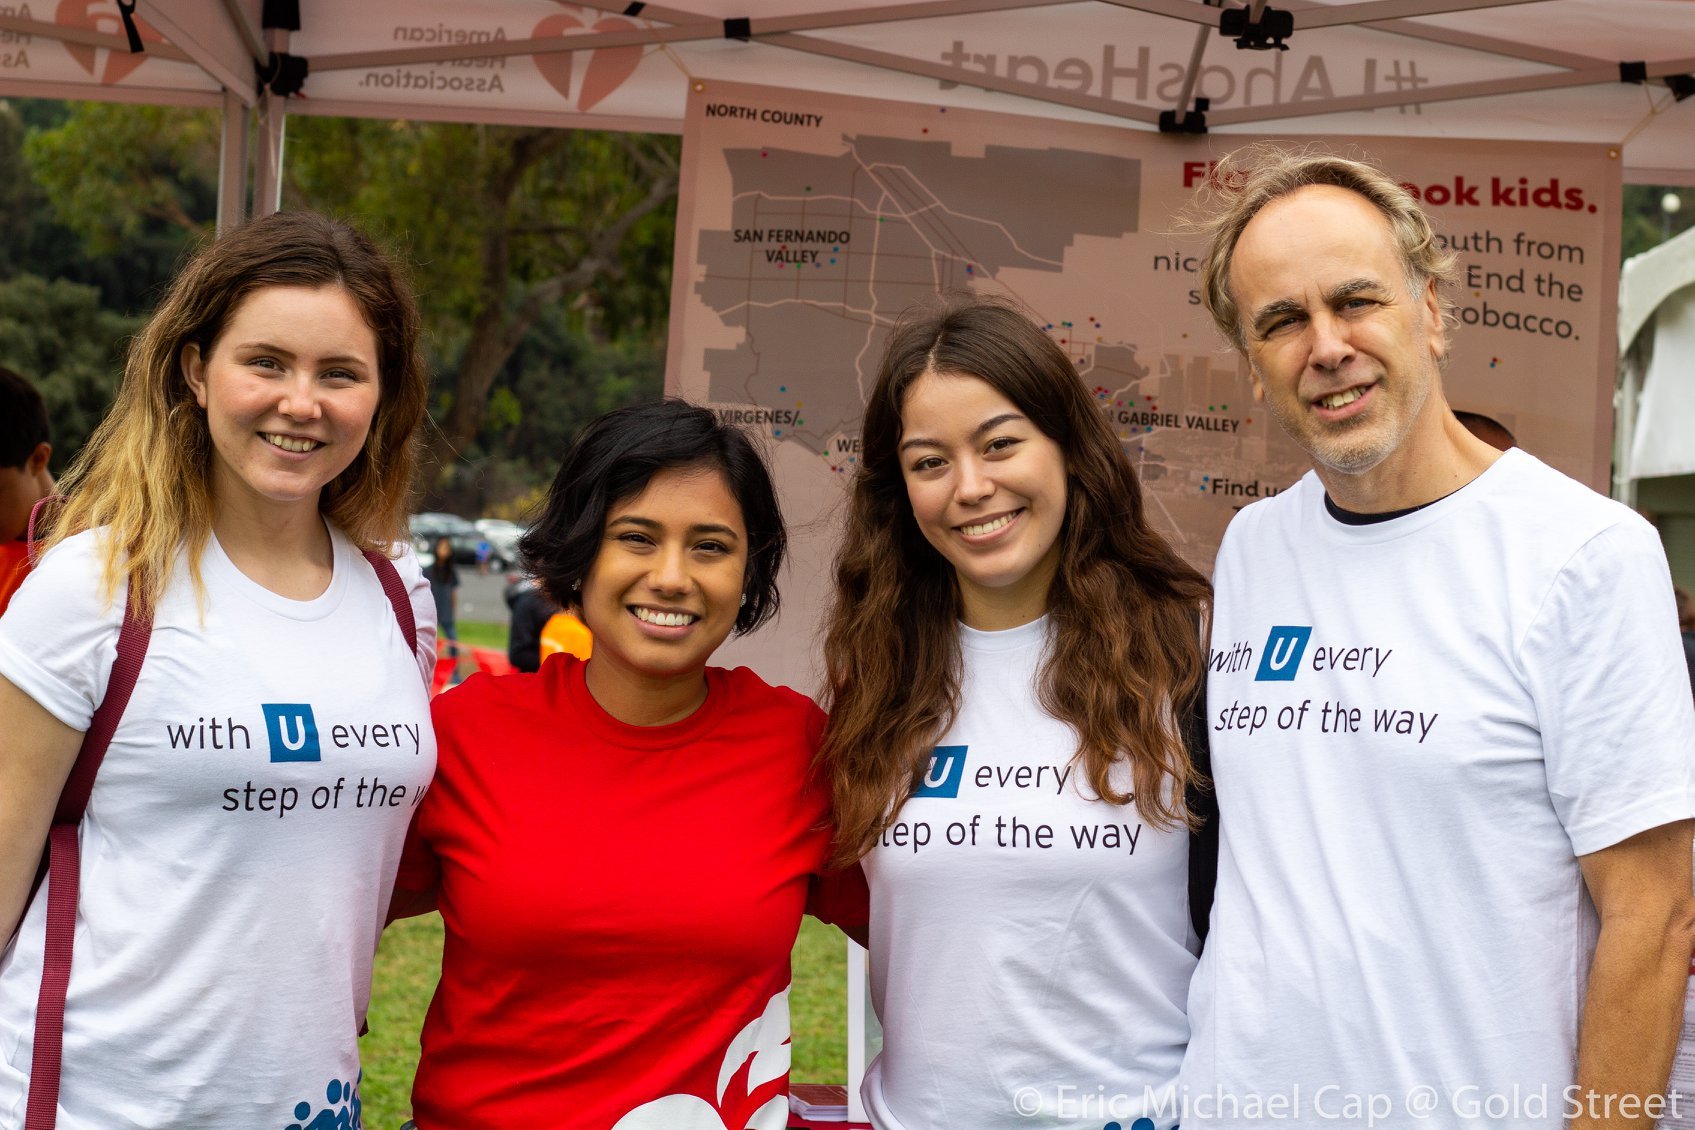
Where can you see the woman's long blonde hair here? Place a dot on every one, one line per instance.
(145, 475)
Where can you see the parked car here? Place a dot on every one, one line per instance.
(432, 524)
(503, 539)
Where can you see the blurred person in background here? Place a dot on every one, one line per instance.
(25, 447)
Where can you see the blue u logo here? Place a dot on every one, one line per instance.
(293, 731)
(1282, 655)
(945, 771)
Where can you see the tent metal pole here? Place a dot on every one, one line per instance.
(1192, 75)
(1368, 11)
(816, 45)
(249, 34)
(232, 164)
(1600, 76)
(273, 120)
(86, 38)
(1624, 430)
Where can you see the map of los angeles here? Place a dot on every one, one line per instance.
(809, 222)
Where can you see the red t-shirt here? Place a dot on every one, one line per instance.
(620, 903)
(14, 567)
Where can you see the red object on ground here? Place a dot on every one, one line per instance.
(491, 661)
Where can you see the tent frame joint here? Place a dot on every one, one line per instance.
(1267, 32)
(1194, 121)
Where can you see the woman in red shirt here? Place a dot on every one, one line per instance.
(622, 848)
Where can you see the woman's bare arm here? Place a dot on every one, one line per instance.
(36, 754)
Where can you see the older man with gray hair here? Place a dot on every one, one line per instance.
(1454, 766)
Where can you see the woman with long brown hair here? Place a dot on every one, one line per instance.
(1010, 654)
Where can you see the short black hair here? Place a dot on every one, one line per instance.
(23, 419)
(615, 458)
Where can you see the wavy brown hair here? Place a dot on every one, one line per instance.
(1123, 660)
(146, 472)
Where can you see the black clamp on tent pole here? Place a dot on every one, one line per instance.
(283, 14)
(1194, 121)
(741, 29)
(1681, 86)
(634, 10)
(284, 74)
(1273, 27)
(126, 10)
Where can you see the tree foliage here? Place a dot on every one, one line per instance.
(39, 233)
(1645, 223)
(59, 335)
(530, 219)
(506, 228)
(117, 173)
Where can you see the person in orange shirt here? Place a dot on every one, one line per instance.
(24, 479)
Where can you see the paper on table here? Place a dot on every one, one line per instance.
(1680, 1089)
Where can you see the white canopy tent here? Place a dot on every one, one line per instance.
(1611, 71)
(1656, 334)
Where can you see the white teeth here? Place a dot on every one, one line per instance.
(289, 443)
(987, 527)
(664, 619)
(1338, 399)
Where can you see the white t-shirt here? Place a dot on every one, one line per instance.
(1417, 726)
(239, 846)
(1030, 943)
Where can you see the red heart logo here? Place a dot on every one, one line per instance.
(119, 64)
(555, 66)
(608, 67)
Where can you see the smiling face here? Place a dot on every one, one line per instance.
(664, 590)
(290, 388)
(1342, 352)
(988, 491)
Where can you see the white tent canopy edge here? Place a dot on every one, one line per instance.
(1609, 71)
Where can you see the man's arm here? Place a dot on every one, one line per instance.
(1634, 1008)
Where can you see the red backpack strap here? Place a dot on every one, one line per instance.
(37, 514)
(65, 866)
(395, 589)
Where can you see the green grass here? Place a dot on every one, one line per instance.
(409, 961)
(481, 633)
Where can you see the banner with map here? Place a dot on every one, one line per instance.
(809, 222)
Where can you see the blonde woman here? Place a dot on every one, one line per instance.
(240, 840)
